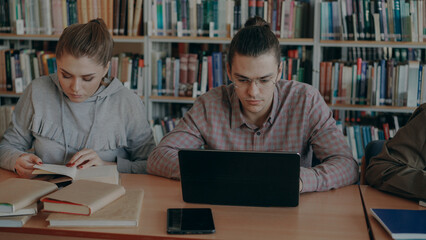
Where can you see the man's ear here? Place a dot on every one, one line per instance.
(280, 71)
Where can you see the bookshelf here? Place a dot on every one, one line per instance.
(157, 105)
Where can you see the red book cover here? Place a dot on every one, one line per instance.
(322, 80)
(328, 77)
(340, 93)
(183, 73)
(290, 67)
(386, 130)
(192, 68)
(279, 8)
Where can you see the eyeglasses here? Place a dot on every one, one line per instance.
(260, 83)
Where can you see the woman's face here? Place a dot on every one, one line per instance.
(79, 77)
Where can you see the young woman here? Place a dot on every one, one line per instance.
(259, 112)
(77, 116)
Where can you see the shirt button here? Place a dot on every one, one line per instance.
(258, 133)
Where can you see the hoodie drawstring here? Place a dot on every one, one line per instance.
(63, 129)
(93, 123)
(63, 126)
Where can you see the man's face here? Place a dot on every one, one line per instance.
(254, 79)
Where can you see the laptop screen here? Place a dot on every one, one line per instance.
(243, 178)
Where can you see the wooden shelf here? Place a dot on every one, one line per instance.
(171, 99)
(10, 36)
(221, 40)
(297, 41)
(168, 39)
(371, 44)
(349, 107)
(10, 94)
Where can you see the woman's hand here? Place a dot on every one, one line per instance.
(86, 158)
(24, 164)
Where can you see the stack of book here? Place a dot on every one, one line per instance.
(92, 199)
(88, 203)
(20, 202)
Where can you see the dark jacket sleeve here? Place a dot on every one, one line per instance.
(401, 166)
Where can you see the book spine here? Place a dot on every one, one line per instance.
(260, 8)
(252, 8)
(123, 9)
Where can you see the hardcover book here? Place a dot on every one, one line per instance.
(402, 223)
(82, 197)
(29, 210)
(124, 211)
(14, 221)
(22, 193)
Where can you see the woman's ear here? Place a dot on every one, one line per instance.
(107, 69)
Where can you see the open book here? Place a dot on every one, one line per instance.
(124, 211)
(82, 197)
(106, 174)
(402, 223)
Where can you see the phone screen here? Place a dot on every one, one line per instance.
(190, 221)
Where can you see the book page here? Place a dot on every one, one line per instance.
(106, 174)
(55, 169)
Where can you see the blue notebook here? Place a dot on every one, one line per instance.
(401, 223)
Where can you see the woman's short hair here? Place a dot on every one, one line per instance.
(91, 39)
(255, 39)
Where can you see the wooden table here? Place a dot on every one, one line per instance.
(374, 198)
(336, 214)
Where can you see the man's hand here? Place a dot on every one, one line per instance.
(24, 164)
(87, 158)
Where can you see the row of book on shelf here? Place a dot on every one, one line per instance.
(220, 18)
(361, 127)
(384, 82)
(122, 17)
(379, 20)
(358, 136)
(193, 74)
(161, 127)
(84, 198)
(19, 67)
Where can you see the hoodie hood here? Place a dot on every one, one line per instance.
(110, 87)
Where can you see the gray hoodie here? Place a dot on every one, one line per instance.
(112, 122)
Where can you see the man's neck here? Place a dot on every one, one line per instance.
(257, 119)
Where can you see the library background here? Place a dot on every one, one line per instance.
(365, 57)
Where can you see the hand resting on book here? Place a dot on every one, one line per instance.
(87, 158)
(24, 164)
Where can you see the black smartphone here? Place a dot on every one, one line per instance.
(190, 221)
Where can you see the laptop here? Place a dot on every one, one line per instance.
(243, 178)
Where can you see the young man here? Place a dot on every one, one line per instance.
(260, 113)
